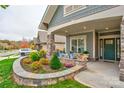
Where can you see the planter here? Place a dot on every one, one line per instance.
(23, 77)
(83, 57)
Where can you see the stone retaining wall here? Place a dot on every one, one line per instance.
(23, 77)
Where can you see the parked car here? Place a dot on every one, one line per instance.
(24, 51)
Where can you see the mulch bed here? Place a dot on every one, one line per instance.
(44, 69)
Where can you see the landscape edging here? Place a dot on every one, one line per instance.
(22, 77)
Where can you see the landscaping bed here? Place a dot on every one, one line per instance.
(38, 62)
(42, 70)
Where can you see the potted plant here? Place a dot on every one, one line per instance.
(85, 55)
(71, 55)
(86, 52)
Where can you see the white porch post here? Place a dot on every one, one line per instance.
(50, 43)
(94, 45)
(121, 65)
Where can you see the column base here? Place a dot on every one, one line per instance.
(92, 59)
(121, 77)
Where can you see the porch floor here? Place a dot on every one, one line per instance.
(100, 75)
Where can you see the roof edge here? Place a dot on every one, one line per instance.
(48, 15)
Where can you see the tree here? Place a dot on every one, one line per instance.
(55, 62)
(4, 6)
(24, 44)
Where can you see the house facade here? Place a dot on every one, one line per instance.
(98, 29)
(41, 41)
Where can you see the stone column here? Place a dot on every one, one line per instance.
(121, 65)
(67, 45)
(50, 44)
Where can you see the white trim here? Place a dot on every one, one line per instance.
(109, 36)
(49, 13)
(83, 32)
(94, 44)
(115, 48)
(72, 11)
(98, 46)
(84, 37)
(65, 45)
(114, 12)
(106, 31)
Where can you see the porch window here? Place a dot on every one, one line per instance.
(68, 9)
(74, 45)
(78, 44)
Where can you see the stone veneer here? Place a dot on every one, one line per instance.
(23, 77)
(121, 65)
(50, 43)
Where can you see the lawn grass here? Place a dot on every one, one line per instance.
(6, 80)
(68, 84)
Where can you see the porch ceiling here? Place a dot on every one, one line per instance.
(98, 25)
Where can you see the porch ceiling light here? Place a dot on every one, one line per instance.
(84, 27)
(66, 31)
(106, 28)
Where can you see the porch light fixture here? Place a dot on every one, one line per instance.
(66, 31)
(84, 27)
(106, 28)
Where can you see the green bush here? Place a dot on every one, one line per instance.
(34, 56)
(42, 53)
(86, 52)
(55, 62)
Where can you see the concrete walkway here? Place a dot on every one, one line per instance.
(101, 75)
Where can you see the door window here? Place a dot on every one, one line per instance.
(109, 42)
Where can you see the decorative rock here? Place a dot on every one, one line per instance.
(61, 79)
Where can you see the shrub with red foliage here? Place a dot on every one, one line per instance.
(24, 44)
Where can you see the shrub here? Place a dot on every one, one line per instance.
(85, 52)
(44, 61)
(69, 64)
(55, 62)
(42, 53)
(36, 65)
(34, 56)
(27, 61)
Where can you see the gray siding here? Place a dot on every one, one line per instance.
(59, 18)
(90, 43)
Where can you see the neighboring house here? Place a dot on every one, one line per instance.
(37, 45)
(41, 41)
(96, 28)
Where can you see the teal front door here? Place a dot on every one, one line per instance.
(109, 49)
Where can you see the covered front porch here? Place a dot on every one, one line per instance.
(101, 38)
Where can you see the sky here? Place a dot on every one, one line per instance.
(17, 22)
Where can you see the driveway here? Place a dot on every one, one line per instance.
(8, 53)
(100, 75)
